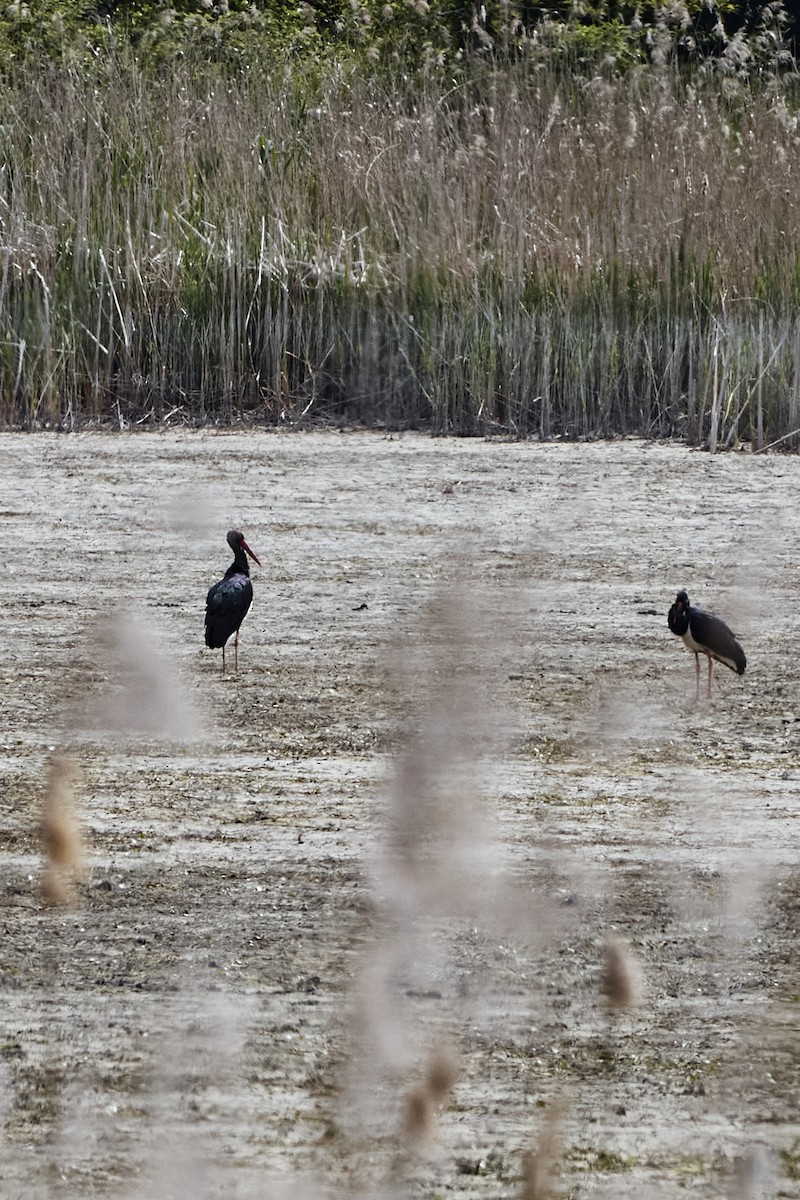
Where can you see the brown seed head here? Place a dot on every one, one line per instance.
(623, 983)
(419, 1118)
(60, 832)
(56, 891)
(540, 1165)
(442, 1074)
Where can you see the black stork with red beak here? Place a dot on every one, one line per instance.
(228, 601)
(705, 634)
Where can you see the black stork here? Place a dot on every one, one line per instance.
(228, 601)
(705, 634)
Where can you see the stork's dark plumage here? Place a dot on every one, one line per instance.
(705, 634)
(228, 601)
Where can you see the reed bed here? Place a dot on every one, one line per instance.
(524, 251)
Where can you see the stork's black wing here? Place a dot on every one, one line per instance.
(226, 607)
(716, 638)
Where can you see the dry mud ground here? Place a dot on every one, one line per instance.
(404, 830)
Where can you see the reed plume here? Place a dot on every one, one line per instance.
(623, 982)
(423, 1101)
(540, 1165)
(60, 833)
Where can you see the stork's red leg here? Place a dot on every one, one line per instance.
(710, 668)
(697, 675)
(236, 651)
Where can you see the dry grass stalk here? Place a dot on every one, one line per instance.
(143, 692)
(60, 833)
(623, 982)
(754, 1175)
(540, 1165)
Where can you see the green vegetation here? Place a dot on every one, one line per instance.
(607, 1161)
(509, 219)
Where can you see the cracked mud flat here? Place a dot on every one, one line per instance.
(272, 934)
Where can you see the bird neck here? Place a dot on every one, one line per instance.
(239, 566)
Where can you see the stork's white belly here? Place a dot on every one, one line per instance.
(689, 641)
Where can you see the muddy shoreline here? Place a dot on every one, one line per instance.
(401, 827)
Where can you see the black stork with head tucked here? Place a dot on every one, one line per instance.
(705, 634)
(228, 601)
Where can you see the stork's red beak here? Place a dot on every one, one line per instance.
(254, 557)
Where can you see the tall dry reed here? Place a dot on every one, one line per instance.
(527, 251)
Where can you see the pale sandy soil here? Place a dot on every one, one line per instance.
(404, 829)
